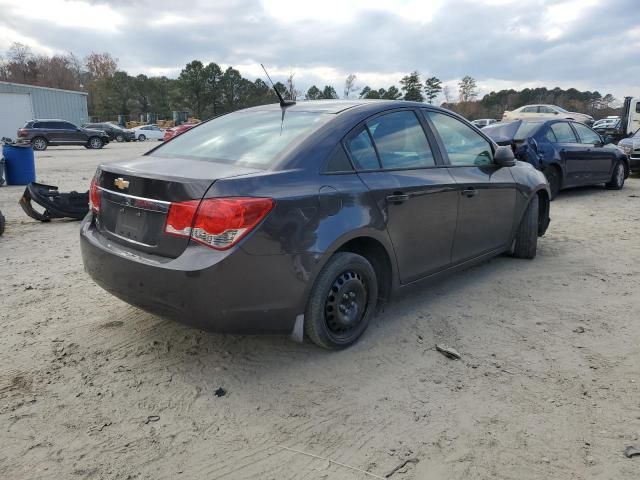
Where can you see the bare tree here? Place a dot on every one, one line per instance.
(467, 89)
(350, 85)
(291, 93)
(20, 62)
(101, 65)
(446, 91)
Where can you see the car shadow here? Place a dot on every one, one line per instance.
(577, 192)
(185, 348)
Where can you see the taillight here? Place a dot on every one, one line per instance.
(218, 223)
(94, 196)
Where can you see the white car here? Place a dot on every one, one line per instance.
(483, 122)
(606, 122)
(529, 112)
(148, 132)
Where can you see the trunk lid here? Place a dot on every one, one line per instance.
(136, 196)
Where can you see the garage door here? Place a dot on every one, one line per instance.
(15, 110)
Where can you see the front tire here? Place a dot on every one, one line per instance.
(95, 143)
(341, 302)
(119, 138)
(141, 138)
(617, 179)
(39, 143)
(554, 177)
(526, 241)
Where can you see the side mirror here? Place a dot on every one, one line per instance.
(504, 157)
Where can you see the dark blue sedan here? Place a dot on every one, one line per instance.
(570, 154)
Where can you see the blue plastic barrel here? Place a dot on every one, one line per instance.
(20, 168)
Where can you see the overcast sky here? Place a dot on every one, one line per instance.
(587, 44)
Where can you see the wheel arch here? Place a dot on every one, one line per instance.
(375, 248)
(544, 206)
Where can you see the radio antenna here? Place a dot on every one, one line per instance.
(283, 103)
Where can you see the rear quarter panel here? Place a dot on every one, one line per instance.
(529, 182)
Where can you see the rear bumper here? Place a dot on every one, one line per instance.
(634, 162)
(232, 292)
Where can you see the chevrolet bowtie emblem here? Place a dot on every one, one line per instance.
(121, 183)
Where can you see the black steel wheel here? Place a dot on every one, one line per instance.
(341, 302)
(555, 180)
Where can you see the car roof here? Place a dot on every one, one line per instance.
(338, 106)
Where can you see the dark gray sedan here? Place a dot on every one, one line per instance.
(302, 219)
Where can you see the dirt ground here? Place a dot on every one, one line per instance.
(547, 387)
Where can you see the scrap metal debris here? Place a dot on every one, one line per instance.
(401, 466)
(448, 351)
(220, 392)
(56, 205)
(578, 330)
(152, 418)
(630, 452)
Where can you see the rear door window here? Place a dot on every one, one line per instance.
(587, 136)
(400, 141)
(362, 151)
(564, 133)
(464, 145)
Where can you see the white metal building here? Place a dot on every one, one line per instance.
(20, 103)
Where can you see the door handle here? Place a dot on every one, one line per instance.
(469, 192)
(397, 198)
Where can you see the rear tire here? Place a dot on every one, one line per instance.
(341, 302)
(617, 179)
(141, 138)
(554, 177)
(526, 241)
(39, 143)
(95, 143)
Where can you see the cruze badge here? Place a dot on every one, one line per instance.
(121, 183)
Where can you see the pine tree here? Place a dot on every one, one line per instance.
(412, 87)
(432, 88)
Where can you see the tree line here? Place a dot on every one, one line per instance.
(207, 90)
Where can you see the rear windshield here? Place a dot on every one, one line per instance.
(511, 131)
(249, 138)
(526, 129)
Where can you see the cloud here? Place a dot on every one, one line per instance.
(589, 44)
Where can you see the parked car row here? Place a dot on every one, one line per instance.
(569, 153)
(55, 132)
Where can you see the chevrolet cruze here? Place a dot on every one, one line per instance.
(301, 218)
